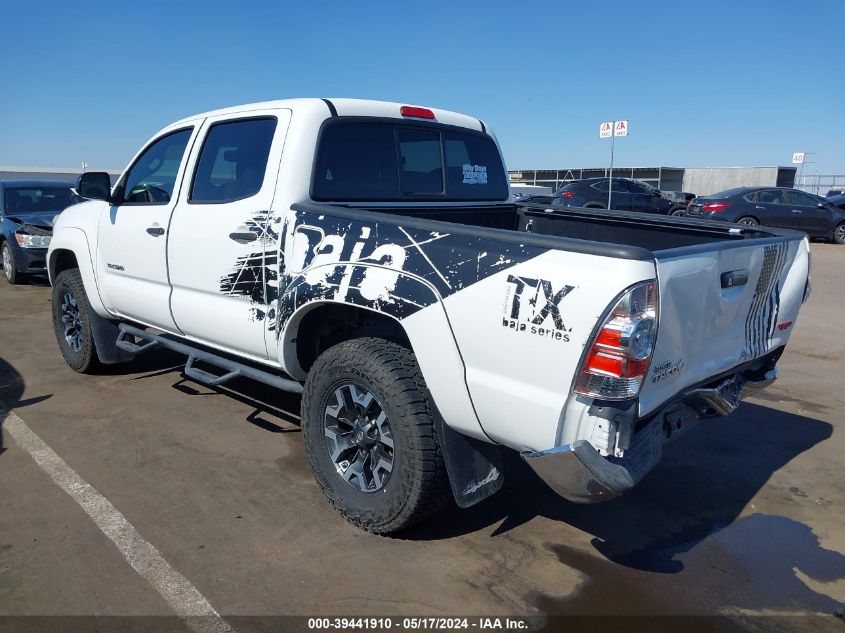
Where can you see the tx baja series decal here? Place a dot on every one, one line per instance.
(533, 306)
(762, 315)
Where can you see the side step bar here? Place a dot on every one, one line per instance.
(126, 341)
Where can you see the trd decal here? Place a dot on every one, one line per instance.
(533, 306)
(667, 369)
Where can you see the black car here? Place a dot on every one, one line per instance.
(773, 206)
(837, 201)
(27, 210)
(628, 195)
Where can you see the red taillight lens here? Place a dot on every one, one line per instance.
(620, 356)
(716, 206)
(567, 194)
(418, 113)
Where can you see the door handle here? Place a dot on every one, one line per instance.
(797, 211)
(734, 278)
(155, 230)
(242, 237)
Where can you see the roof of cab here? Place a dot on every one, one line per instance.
(344, 107)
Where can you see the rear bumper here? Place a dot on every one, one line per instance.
(578, 472)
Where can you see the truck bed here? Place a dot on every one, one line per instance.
(633, 234)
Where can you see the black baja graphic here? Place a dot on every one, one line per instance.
(531, 305)
(255, 275)
(379, 265)
(372, 265)
(762, 315)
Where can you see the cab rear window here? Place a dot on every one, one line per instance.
(361, 160)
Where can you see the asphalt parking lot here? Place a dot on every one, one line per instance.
(744, 516)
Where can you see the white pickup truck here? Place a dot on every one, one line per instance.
(369, 255)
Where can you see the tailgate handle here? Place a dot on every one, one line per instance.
(734, 278)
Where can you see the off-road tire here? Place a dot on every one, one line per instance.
(10, 269)
(85, 359)
(418, 485)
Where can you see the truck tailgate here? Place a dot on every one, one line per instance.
(721, 305)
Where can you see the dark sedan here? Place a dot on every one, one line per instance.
(837, 201)
(773, 206)
(627, 195)
(27, 210)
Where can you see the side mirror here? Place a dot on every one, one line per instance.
(822, 205)
(95, 185)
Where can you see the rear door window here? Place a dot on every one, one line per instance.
(359, 160)
(770, 196)
(233, 160)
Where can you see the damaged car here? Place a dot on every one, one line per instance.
(27, 211)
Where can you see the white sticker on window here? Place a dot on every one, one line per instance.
(475, 174)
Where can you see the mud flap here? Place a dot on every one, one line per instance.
(474, 467)
(105, 336)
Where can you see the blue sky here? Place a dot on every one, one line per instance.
(704, 83)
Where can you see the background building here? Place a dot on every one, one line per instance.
(68, 174)
(697, 180)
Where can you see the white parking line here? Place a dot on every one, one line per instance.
(177, 591)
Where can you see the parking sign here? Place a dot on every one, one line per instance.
(606, 129)
(798, 158)
(621, 128)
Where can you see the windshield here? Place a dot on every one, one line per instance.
(38, 199)
(727, 193)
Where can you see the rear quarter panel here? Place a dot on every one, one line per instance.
(522, 333)
(498, 326)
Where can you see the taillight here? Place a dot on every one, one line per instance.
(619, 358)
(417, 113)
(567, 194)
(716, 206)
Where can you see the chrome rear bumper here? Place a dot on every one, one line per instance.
(578, 472)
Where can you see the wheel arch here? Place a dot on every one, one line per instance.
(69, 248)
(306, 310)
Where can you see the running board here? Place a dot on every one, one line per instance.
(126, 341)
